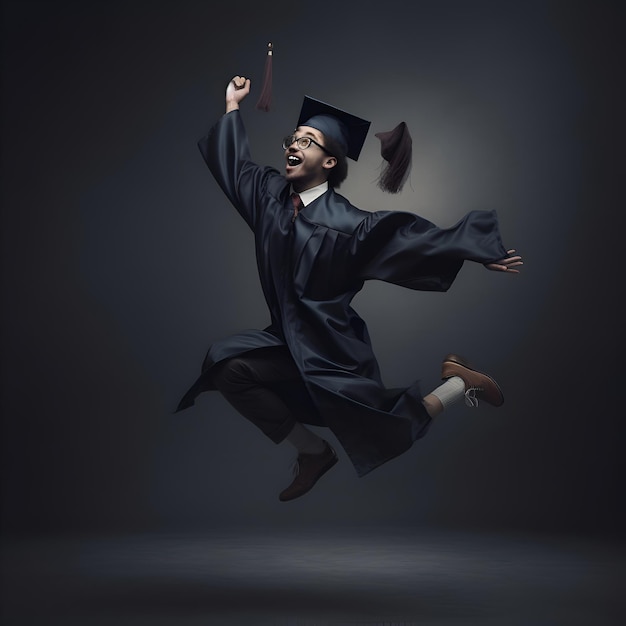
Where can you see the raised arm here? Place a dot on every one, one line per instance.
(226, 151)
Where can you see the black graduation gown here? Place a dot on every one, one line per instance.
(310, 270)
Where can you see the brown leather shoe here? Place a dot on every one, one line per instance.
(309, 469)
(477, 384)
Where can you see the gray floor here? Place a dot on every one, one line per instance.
(391, 577)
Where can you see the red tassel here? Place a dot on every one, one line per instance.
(396, 148)
(265, 99)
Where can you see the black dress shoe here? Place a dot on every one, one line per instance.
(309, 469)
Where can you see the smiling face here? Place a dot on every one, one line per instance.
(310, 167)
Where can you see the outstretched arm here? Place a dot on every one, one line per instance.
(507, 264)
(238, 88)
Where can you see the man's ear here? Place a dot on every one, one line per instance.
(329, 163)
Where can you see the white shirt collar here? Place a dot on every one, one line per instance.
(308, 195)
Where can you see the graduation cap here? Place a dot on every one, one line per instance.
(350, 132)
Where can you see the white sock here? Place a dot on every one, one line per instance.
(451, 392)
(305, 441)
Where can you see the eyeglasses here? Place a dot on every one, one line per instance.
(302, 142)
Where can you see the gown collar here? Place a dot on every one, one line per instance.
(308, 195)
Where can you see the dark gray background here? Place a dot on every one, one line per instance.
(122, 261)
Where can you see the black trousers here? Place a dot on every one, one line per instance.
(265, 386)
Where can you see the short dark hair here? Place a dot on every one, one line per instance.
(339, 172)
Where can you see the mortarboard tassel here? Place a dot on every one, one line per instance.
(265, 100)
(396, 148)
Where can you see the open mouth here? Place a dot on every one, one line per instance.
(293, 161)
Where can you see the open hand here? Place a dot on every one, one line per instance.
(508, 264)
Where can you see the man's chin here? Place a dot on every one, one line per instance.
(292, 176)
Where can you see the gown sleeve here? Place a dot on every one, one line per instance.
(407, 250)
(226, 152)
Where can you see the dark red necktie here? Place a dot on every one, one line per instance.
(297, 205)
